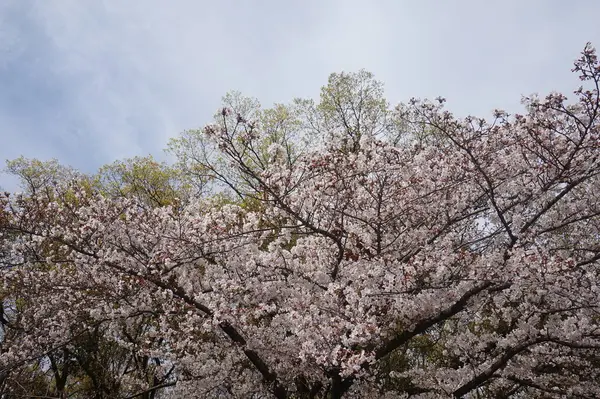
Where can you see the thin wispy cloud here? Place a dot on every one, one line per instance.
(89, 82)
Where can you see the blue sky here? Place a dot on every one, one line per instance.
(91, 81)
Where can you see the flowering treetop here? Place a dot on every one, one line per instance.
(458, 258)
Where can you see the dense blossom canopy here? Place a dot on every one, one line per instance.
(452, 258)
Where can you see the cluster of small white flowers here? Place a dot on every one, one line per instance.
(468, 263)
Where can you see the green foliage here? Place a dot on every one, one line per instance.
(354, 104)
(154, 183)
(40, 176)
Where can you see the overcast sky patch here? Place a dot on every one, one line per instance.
(89, 82)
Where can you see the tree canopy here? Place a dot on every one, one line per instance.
(332, 249)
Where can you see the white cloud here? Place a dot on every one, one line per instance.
(93, 81)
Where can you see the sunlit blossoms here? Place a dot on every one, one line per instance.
(401, 253)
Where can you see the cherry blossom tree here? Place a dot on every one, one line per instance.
(90, 364)
(460, 262)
